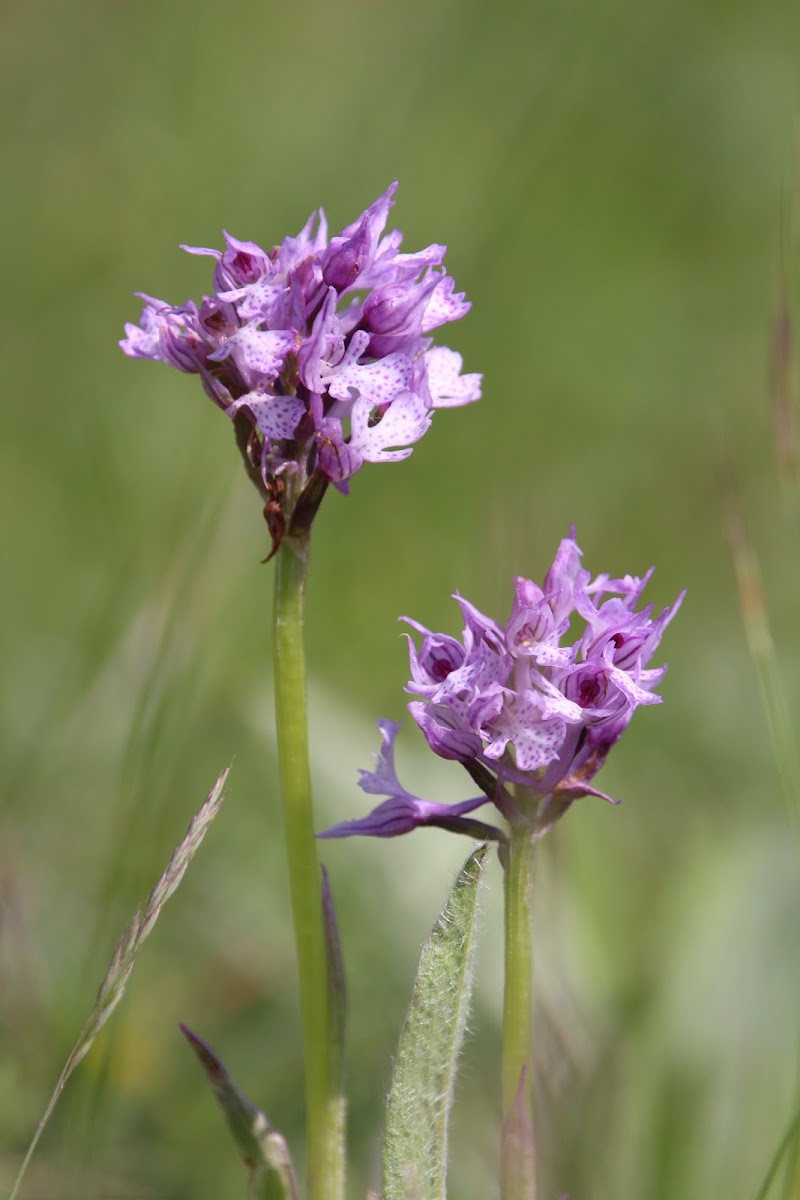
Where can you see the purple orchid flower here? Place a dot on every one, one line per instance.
(318, 351)
(531, 708)
(402, 812)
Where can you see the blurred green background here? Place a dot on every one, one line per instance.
(617, 185)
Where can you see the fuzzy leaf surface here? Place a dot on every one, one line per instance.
(421, 1092)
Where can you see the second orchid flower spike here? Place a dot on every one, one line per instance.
(532, 707)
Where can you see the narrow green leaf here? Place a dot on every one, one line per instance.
(421, 1093)
(112, 989)
(263, 1149)
(337, 984)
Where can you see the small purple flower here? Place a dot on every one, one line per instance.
(318, 350)
(530, 708)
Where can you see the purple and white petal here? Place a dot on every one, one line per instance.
(143, 340)
(262, 352)
(277, 417)
(379, 382)
(257, 301)
(448, 387)
(445, 305)
(536, 737)
(403, 423)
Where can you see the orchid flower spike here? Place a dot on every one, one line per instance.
(530, 708)
(319, 351)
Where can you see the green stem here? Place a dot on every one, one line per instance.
(517, 1061)
(324, 1101)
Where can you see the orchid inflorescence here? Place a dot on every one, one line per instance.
(318, 351)
(517, 707)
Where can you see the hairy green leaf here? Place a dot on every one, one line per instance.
(421, 1093)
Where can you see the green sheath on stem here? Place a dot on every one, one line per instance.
(324, 1100)
(518, 1155)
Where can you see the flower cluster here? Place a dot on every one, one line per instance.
(318, 348)
(528, 704)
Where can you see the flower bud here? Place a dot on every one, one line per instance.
(346, 258)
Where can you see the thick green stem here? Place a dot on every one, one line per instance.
(324, 1101)
(517, 1062)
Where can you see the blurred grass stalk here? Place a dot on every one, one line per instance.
(760, 643)
(112, 989)
(752, 602)
(784, 409)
